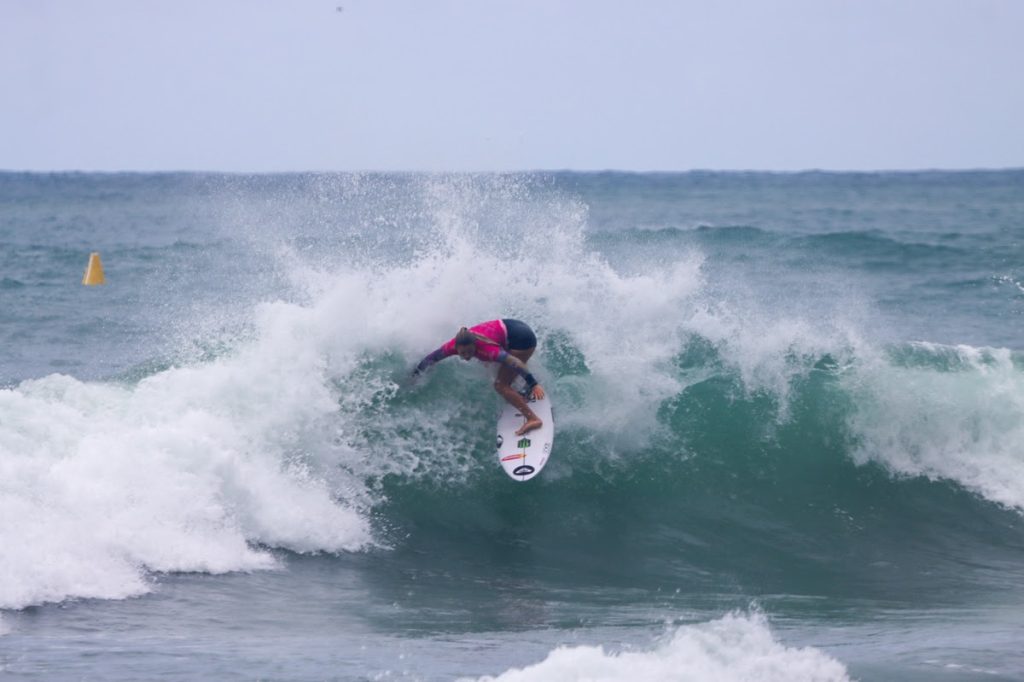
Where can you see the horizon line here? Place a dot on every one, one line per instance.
(535, 171)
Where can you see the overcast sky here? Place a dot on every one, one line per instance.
(276, 85)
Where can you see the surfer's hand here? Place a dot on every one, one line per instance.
(538, 392)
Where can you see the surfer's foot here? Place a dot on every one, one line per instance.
(530, 425)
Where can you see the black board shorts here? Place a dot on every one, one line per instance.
(520, 336)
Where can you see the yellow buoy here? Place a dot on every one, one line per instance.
(94, 271)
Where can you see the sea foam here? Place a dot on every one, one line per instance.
(736, 648)
(198, 468)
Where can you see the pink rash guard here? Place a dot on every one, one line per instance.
(486, 352)
(493, 349)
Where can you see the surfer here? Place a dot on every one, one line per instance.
(508, 342)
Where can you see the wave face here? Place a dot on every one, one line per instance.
(743, 401)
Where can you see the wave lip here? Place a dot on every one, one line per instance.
(944, 412)
(735, 648)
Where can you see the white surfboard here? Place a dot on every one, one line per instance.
(522, 457)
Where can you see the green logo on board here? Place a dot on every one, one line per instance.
(523, 443)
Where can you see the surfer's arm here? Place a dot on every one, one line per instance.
(520, 367)
(426, 362)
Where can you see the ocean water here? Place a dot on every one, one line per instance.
(789, 444)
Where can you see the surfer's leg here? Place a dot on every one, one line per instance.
(503, 385)
(519, 402)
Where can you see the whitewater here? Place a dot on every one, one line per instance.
(788, 405)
